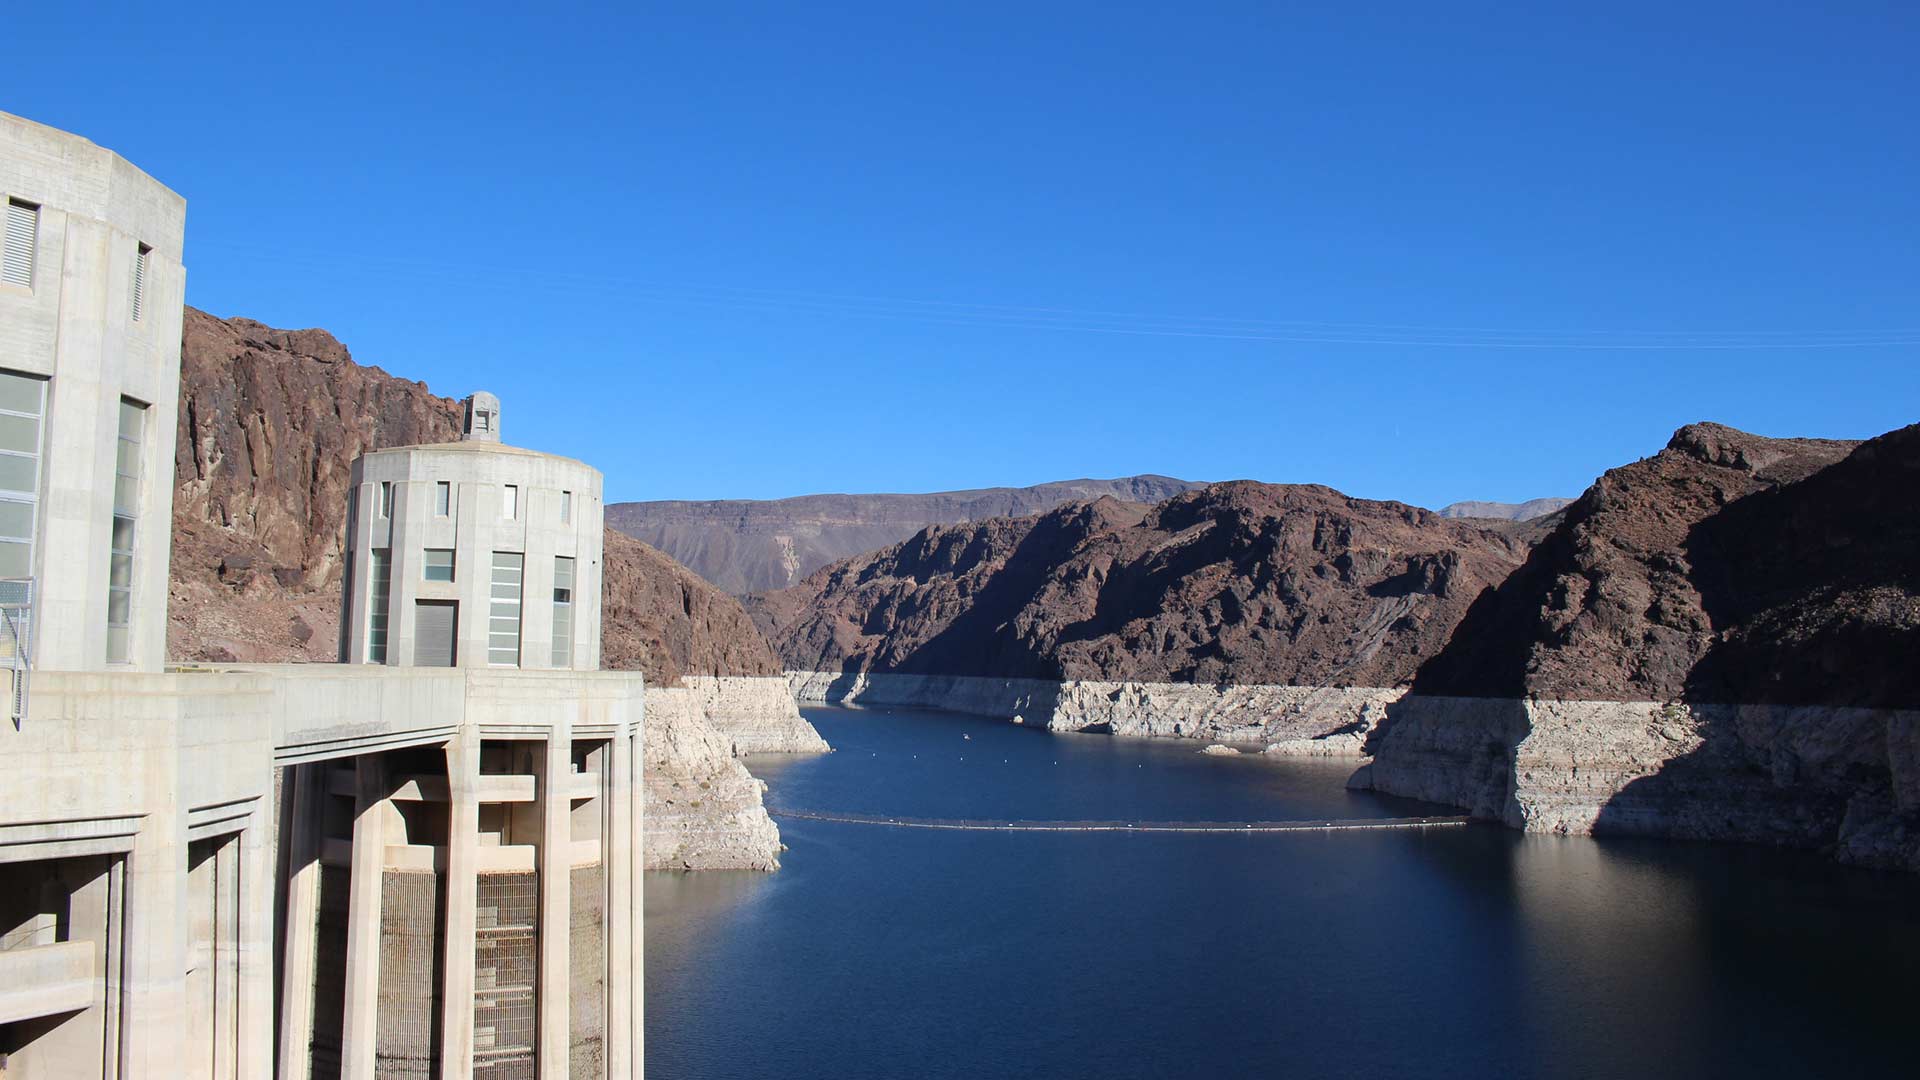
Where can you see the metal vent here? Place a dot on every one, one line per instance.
(16, 260)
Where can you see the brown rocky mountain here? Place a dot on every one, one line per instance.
(1522, 511)
(745, 545)
(1665, 561)
(1718, 641)
(270, 422)
(1239, 582)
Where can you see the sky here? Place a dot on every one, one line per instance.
(1426, 252)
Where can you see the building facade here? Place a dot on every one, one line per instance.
(473, 554)
(253, 871)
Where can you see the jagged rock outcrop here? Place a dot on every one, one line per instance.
(704, 810)
(1716, 641)
(270, 422)
(749, 545)
(1240, 583)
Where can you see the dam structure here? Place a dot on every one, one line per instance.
(421, 861)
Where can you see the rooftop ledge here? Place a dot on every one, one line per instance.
(313, 712)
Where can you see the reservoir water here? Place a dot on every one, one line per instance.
(1471, 951)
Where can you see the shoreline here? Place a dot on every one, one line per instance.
(1841, 779)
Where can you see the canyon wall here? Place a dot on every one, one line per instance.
(1715, 642)
(1238, 583)
(1304, 720)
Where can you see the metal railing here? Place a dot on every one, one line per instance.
(16, 641)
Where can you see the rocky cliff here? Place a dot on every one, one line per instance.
(270, 422)
(1716, 641)
(1239, 583)
(745, 545)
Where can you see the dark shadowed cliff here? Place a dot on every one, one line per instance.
(1239, 582)
(270, 422)
(1727, 568)
(745, 545)
(1718, 641)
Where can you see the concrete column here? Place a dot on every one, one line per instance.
(360, 1026)
(555, 984)
(224, 954)
(307, 790)
(115, 985)
(254, 1053)
(153, 1017)
(618, 857)
(636, 960)
(463, 860)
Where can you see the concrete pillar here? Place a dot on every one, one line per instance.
(361, 1022)
(463, 885)
(224, 955)
(153, 1016)
(555, 984)
(617, 853)
(306, 793)
(636, 959)
(115, 985)
(254, 1052)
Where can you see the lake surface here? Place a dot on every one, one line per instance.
(1454, 952)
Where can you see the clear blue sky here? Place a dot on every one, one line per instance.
(732, 251)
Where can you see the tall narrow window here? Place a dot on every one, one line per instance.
(386, 498)
(511, 506)
(140, 255)
(16, 256)
(22, 403)
(443, 498)
(503, 617)
(379, 593)
(562, 612)
(438, 565)
(126, 514)
(566, 508)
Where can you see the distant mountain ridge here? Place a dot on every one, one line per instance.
(1522, 511)
(756, 545)
(1241, 582)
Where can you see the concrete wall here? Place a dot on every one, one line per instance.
(75, 327)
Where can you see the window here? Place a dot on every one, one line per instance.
(386, 498)
(16, 256)
(503, 617)
(443, 498)
(126, 514)
(140, 280)
(512, 506)
(562, 612)
(22, 404)
(379, 593)
(482, 420)
(439, 564)
(566, 508)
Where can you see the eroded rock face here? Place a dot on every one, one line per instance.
(270, 422)
(1238, 583)
(1715, 642)
(703, 809)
